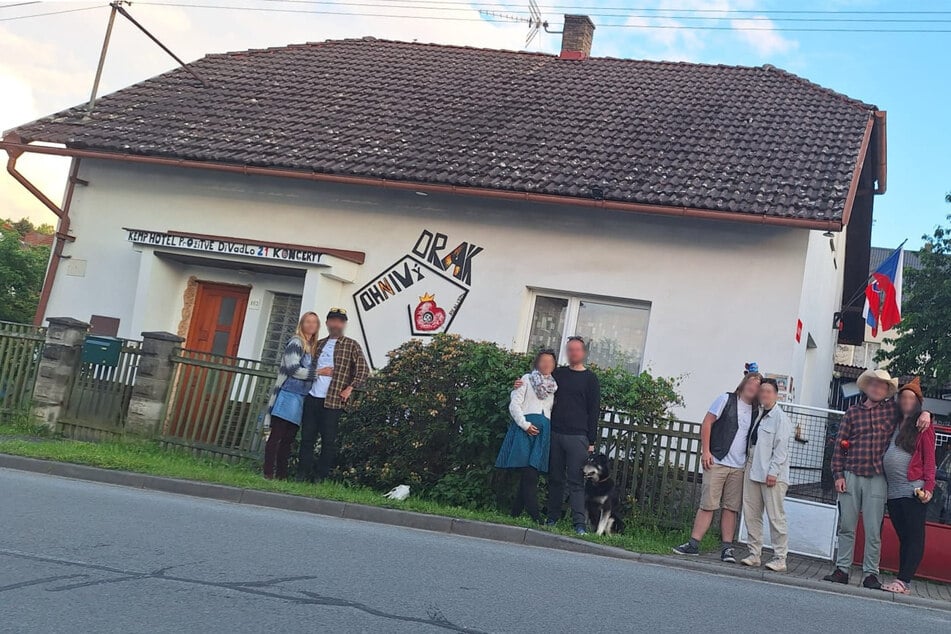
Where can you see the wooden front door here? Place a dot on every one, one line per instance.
(217, 319)
(202, 404)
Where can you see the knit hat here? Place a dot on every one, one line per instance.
(913, 386)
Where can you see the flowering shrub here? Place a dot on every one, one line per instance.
(435, 416)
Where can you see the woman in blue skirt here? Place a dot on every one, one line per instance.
(528, 440)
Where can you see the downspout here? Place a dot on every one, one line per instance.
(881, 175)
(62, 230)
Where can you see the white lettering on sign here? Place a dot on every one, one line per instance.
(247, 248)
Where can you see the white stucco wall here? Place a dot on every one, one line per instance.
(721, 293)
(821, 293)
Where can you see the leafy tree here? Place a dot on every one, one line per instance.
(21, 276)
(23, 226)
(923, 345)
(46, 229)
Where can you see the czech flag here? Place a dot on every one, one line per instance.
(883, 293)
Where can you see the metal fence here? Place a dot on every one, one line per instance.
(20, 348)
(216, 404)
(98, 400)
(810, 452)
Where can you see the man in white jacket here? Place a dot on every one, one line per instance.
(767, 478)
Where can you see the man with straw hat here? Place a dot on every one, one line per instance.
(864, 435)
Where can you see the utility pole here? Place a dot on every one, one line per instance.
(102, 56)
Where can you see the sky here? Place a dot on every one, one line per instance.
(48, 62)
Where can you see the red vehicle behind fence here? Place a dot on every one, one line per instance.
(936, 564)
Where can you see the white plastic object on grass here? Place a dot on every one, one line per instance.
(400, 492)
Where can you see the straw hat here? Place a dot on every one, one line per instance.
(878, 375)
(914, 386)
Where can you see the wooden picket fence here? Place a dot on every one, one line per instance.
(216, 404)
(20, 348)
(658, 467)
(98, 400)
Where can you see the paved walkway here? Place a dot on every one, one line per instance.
(815, 569)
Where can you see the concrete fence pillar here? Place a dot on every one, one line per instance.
(153, 379)
(62, 356)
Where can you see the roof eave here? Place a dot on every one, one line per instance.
(15, 145)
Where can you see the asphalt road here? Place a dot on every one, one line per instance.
(84, 557)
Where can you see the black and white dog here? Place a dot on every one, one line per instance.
(601, 496)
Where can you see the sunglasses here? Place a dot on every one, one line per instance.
(342, 311)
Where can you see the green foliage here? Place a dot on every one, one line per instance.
(646, 398)
(21, 276)
(433, 419)
(23, 226)
(923, 347)
(435, 416)
(149, 457)
(21, 422)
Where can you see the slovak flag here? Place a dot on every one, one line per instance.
(883, 293)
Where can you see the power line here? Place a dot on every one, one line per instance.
(404, 16)
(18, 4)
(464, 5)
(187, 5)
(39, 15)
(469, 7)
(403, 6)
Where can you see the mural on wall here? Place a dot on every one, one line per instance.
(419, 295)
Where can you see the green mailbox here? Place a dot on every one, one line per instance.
(102, 350)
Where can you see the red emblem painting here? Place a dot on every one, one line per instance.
(419, 295)
(428, 317)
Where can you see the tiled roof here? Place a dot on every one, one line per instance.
(849, 371)
(37, 239)
(722, 138)
(877, 255)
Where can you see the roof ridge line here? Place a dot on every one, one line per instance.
(861, 105)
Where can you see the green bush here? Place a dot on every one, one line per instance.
(435, 416)
(645, 398)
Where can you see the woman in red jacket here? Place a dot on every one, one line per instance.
(910, 470)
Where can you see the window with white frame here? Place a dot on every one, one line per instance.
(616, 330)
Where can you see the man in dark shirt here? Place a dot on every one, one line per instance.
(574, 429)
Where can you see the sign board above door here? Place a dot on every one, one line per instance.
(246, 247)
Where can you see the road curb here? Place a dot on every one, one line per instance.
(434, 523)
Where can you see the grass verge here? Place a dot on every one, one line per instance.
(23, 439)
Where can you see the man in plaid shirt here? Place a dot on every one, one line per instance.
(329, 395)
(864, 435)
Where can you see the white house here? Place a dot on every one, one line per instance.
(686, 218)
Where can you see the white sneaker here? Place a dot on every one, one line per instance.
(776, 564)
(751, 561)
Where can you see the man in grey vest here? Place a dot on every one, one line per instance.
(723, 437)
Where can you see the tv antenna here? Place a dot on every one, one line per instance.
(534, 20)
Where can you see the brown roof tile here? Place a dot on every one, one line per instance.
(740, 139)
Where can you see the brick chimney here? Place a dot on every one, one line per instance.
(576, 37)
